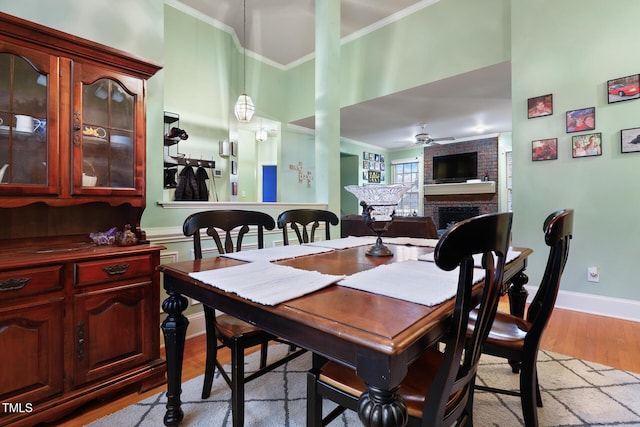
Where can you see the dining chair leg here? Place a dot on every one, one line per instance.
(538, 395)
(212, 351)
(263, 354)
(529, 393)
(237, 384)
(314, 401)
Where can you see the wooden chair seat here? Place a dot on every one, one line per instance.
(413, 390)
(229, 326)
(507, 330)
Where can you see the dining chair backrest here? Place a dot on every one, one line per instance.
(227, 221)
(301, 218)
(487, 235)
(558, 231)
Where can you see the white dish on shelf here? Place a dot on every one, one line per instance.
(120, 139)
(93, 138)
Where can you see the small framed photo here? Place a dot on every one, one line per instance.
(544, 149)
(365, 164)
(540, 106)
(234, 148)
(581, 120)
(365, 155)
(630, 140)
(234, 167)
(623, 88)
(586, 145)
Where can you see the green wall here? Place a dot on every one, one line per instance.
(570, 49)
(411, 52)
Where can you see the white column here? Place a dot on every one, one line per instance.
(327, 89)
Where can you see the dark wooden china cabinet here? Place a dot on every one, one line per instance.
(77, 321)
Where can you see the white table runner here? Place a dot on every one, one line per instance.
(420, 282)
(410, 241)
(276, 253)
(264, 282)
(344, 243)
(477, 259)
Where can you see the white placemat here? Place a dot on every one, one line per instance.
(420, 282)
(345, 242)
(477, 259)
(264, 282)
(276, 253)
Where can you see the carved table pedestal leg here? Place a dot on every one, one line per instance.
(174, 328)
(382, 408)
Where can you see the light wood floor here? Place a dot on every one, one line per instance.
(599, 339)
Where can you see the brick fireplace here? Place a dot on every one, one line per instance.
(446, 209)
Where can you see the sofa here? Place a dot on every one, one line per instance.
(402, 226)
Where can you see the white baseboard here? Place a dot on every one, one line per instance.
(595, 304)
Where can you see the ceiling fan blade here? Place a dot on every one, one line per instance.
(446, 138)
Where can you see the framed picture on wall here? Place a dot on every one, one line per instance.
(544, 149)
(234, 167)
(630, 140)
(623, 88)
(365, 164)
(540, 106)
(581, 120)
(586, 145)
(234, 148)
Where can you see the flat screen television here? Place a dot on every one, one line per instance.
(455, 167)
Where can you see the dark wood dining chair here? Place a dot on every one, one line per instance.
(438, 387)
(517, 339)
(303, 218)
(232, 332)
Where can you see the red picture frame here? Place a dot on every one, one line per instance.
(544, 149)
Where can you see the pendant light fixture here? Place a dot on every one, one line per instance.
(244, 107)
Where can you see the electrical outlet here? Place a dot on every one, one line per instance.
(593, 274)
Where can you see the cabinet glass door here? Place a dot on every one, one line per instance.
(108, 135)
(24, 148)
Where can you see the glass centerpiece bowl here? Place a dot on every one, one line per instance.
(378, 203)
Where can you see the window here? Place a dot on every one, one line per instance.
(407, 172)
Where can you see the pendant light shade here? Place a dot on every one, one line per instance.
(244, 107)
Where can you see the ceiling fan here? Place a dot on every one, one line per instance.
(423, 138)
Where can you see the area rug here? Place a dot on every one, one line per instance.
(574, 393)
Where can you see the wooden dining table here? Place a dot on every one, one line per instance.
(377, 335)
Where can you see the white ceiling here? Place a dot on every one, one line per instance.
(455, 106)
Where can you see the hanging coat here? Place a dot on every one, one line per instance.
(187, 188)
(201, 182)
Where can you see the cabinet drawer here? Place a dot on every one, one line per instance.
(113, 269)
(30, 281)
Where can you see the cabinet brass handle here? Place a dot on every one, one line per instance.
(14, 284)
(80, 349)
(76, 127)
(113, 270)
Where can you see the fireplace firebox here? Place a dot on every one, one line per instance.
(449, 215)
